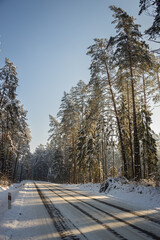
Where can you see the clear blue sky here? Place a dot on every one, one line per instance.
(47, 40)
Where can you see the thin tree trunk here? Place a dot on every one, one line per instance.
(74, 160)
(130, 131)
(147, 157)
(15, 167)
(2, 152)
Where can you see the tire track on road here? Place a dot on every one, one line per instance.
(115, 206)
(90, 216)
(62, 224)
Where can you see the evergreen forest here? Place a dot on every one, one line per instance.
(103, 127)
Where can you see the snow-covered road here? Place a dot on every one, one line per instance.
(81, 215)
(52, 211)
(28, 219)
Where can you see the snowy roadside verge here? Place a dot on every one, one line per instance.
(13, 189)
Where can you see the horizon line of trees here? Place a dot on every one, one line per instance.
(104, 127)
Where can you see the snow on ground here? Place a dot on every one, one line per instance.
(141, 195)
(28, 211)
(13, 189)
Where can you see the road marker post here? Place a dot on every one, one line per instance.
(9, 200)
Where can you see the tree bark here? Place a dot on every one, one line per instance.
(130, 132)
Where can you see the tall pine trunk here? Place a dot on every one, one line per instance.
(136, 140)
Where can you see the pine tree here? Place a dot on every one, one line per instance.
(96, 122)
(130, 54)
(156, 79)
(102, 65)
(154, 30)
(149, 153)
(81, 154)
(57, 167)
(40, 166)
(14, 131)
(69, 127)
(55, 135)
(124, 111)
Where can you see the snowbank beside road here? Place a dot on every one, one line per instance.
(142, 194)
